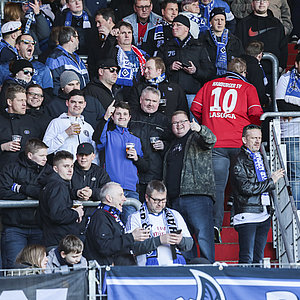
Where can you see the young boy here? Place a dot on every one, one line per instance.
(68, 252)
(58, 217)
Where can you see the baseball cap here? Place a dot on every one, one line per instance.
(85, 148)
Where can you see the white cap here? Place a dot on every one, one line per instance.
(11, 26)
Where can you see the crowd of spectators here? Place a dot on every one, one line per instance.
(156, 112)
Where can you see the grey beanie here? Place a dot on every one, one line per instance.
(66, 77)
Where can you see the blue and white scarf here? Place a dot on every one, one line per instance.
(157, 80)
(221, 58)
(125, 75)
(180, 43)
(159, 33)
(170, 222)
(113, 211)
(292, 94)
(28, 23)
(260, 173)
(205, 11)
(86, 21)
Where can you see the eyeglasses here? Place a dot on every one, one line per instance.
(35, 95)
(111, 69)
(76, 36)
(179, 122)
(26, 72)
(264, 1)
(156, 201)
(28, 42)
(143, 7)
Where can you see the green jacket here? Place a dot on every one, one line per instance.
(197, 176)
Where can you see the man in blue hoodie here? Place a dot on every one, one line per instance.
(123, 154)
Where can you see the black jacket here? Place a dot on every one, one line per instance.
(256, 77)
(98, 90)
(106, 241)
(150, 45)
(92, 113)
(234, 47)
(144, 126)
(56, 213)
(23, 125)
(94, 178)
(193, 51)
(29, 175)
(41, 117)
(172, 92)
(99, 50)
(247, 189)
(268, 30)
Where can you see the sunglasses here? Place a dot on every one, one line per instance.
(111, 69)
(26, 72)
(27, 42)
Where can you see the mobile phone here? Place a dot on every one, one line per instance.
(185, 65)
(178, 231)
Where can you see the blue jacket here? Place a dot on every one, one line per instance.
(7, 52)
(119, 168)
(60, 60)
(42, 74)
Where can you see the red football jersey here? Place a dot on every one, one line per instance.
(225, 105)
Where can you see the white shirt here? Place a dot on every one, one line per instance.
(159, 227)
(289, 128)
(57, 139)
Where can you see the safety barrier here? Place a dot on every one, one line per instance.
(284, 153)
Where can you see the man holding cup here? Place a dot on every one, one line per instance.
(16, 127)
(122, 161)
(70, 129)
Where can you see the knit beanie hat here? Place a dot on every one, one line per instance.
(66, 77)
(217, 11)
(19, 65)
(183, 20)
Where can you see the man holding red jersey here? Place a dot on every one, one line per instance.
(226, 105)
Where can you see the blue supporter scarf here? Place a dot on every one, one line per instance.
(157, 80)
(292, 94)
(205, 11)
(28, 23)
(170, 222)
(159, 33)
(113, 211)
(183, 43)
(260, 173)
(126, 73)
(86, 22)
(221, 58)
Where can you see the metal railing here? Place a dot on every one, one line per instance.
(35, 203)
(275, 73)
(286, 225)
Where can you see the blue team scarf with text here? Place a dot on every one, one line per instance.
(86, 22)
(170, 223)
(292, 94)
(159, 33)
(260, 173)
(221, 58)
(205, 11)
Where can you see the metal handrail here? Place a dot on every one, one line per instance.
(283, 114)
(290, 255)
(35, 203)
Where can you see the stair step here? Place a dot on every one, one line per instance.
(230, 252)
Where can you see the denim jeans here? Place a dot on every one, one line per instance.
(252, 241)
(189, 99)
(222, 159)
(14, 239)
(197, 211)
(127, 210)
(293, 166)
